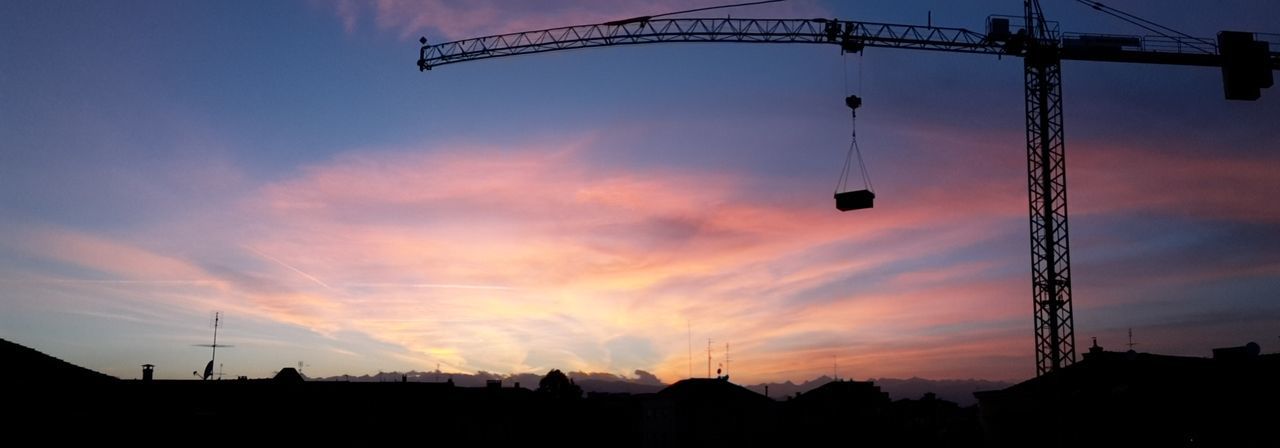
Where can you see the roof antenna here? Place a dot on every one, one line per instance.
(726, 360)
(708, 357)
(208, 368)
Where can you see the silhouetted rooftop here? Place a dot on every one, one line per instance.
(1100, 366)
(288, 375)
(1141, 399)
(844, 390)
(26, 365)
(710, 389)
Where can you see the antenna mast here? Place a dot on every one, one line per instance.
(217, 319)
(708, 357)
(689, 328)
(726, 359)
(208, 368)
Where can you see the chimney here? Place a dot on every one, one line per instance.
(1094, 351)
(147, 371)
(1247, 351)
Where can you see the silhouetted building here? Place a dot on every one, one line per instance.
(858, 409)
(1141, 399)
(288, 375)
(932, 422)
(701, 412)
(148, 370)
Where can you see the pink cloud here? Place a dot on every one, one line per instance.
(458, 19)
(543, 233)
(1218, 186)
(485, 257)
(108, 256)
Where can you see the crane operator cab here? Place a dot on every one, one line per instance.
(846, 199)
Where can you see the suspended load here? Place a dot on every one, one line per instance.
(854, 200)
(846, 199)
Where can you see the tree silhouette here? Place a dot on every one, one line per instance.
(558, 385)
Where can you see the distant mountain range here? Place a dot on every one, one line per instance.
(39, 367)
(958, 391)
(643, 382)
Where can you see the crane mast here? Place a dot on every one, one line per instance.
(1047, 190)
(1247, 65)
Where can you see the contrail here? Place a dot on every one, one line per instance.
(299, 271)
(54, 281)
(429, 285)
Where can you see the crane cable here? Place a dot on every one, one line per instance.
(854, 151)
(736, 5)
(1143, 23)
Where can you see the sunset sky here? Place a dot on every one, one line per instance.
(286, 163)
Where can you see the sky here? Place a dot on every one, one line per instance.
(604, 210)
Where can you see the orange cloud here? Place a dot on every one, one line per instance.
(524, 259)
(537, 235)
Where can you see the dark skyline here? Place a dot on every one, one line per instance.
(288, 165)
(1108, 398)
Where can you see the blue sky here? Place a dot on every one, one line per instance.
(287, 164)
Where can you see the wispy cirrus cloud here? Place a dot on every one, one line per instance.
(604, 252)
(459, 19)
(1206, 186)
(515, 258)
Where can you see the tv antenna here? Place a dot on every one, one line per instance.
(726, 360)
(708, 357)
(208, 368)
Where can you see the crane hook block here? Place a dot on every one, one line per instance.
(853, 101)
(855, 200)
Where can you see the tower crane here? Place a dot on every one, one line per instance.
(1246, 62)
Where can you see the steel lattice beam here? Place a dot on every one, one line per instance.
(1047, 182)
(804, 31)
(707, 30)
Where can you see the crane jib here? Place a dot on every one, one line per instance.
(852, 35)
